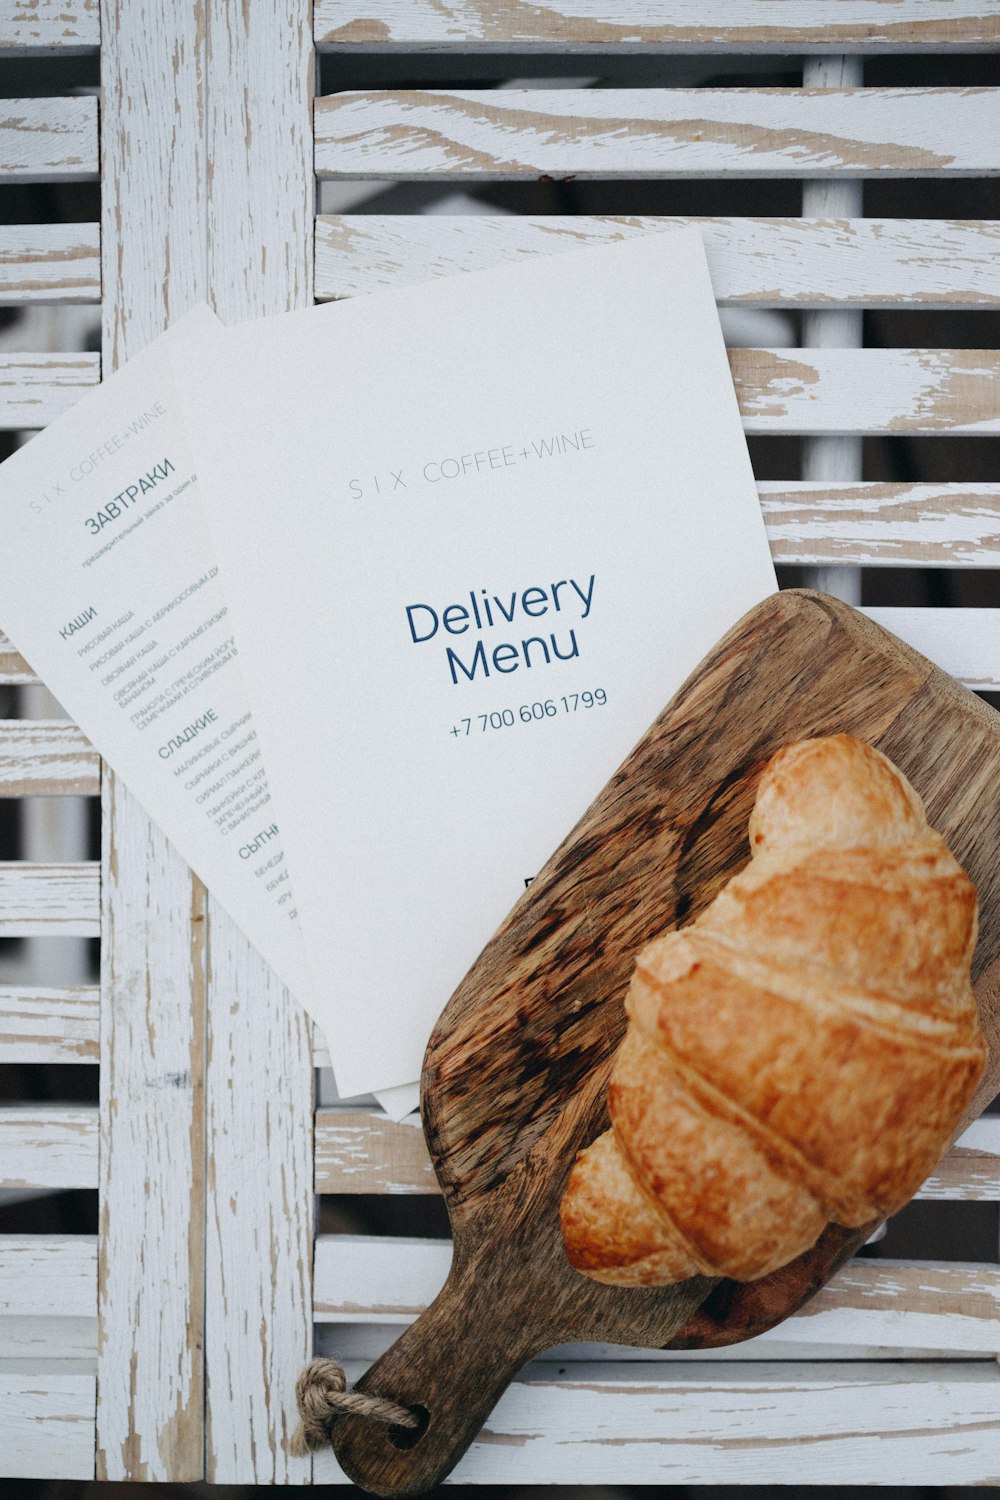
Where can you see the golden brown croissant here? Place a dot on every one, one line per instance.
(802, 1052)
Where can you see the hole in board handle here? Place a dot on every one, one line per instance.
(407, 1437)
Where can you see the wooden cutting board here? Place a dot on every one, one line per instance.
(516, 1071)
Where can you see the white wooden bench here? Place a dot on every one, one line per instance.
(167, 1347)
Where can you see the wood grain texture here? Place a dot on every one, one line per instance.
(50, 1146)
(868, 391)
(359, 1152)
(46, 758)
(505, 134)
(42, 27)
(42, 900)
(868, 1304)
(652, 26)
(515, 1071)
(918, 1424)
(47, 1418)
(258, 246)
(50, 263)
(49, 1025)
(883, 525)
(13, 667)
(42, 1272)
(37, 388)
(793, 263)
(150, 1411)
(48, 139)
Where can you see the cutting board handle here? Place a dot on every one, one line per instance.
(451, 1367)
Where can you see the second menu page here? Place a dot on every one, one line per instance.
(473, 534)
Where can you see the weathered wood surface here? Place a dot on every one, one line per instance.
(37, 388)
(40, 900)
(50, 263)
(903, 391)
(515, 1071)
(49, 26)
(41, 1339)
(883, 525)
(49, 1025)
(42, 1273)
(363, 1152)
(868, 1304)
(46, 757)
(839, 1424)
(150, 1410)
(963, 642)
(260, 202)
(13, 668)
(47, 1418)
(48, 1146)
(794, 263)
(652, 26)
(501, 134)
(48, 139)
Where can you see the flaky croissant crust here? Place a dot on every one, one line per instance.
(802, 1052)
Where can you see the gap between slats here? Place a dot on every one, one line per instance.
(49, 139)
(629, 134)
(645, 27)
(359, 1152)
(50, 263)
(783, 263)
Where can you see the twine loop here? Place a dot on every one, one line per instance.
(321, 1396)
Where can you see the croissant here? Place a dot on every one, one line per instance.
(800, 1053)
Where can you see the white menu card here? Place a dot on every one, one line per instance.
(473, 534)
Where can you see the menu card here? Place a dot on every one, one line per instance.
(110, 589)
(473, 535)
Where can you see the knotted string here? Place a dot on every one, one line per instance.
(321, 1395)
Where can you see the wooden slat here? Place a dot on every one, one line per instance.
(50, 263)
(51, 1146)
(41, 27)
(836, 1424)
(794, 263)
(47, 1418)
(13, 668)
(874, 1303)
(38, 900)
(151, 1395)
(504, 134)
(46, 757)
(963, 642)
(868, 391)
(883, 525)
(40, 1273)
(48, 139)
(651, 26)
(49, 1338)
(259, 253)
(49, 1025)
(361, 1152)
(971, 1169)
(37, 388)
